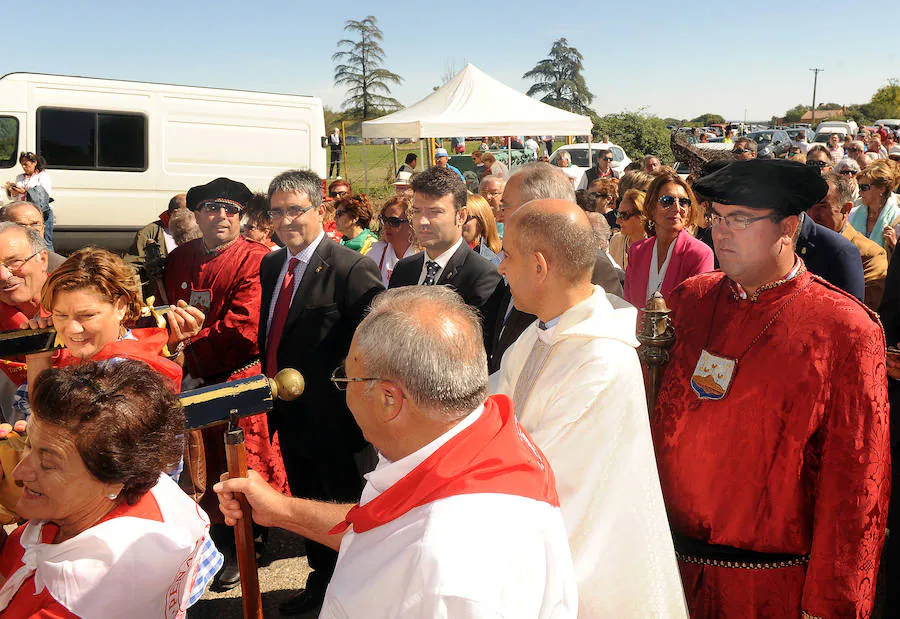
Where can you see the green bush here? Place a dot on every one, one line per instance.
(640, 134)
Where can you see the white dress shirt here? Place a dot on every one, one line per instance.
(304, 256)
(442, 261)
(472, 555)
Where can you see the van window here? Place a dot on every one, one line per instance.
(9, 141)
(92, 140)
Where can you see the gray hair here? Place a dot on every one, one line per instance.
(846, 164)
(858, 144)
(429, 340)
(601, 228)
(843, 186)
(542, 181)
(298, 181)
(495, 177)
(34, 237)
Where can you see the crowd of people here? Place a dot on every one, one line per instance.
(475, 436)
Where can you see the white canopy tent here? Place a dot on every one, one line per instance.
(475, 104)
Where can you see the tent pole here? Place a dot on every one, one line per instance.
(394, 148)
(422, 152)
(509, 152)
(365, 167)
(590, 152)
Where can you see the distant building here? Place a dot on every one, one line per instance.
(824, 115)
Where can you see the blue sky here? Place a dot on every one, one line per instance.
(674, 59)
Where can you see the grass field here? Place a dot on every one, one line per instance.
(380, 164)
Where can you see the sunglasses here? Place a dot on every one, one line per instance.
(594, 195)
(740, 151)
(340, 212)
(847, 172)
(623, 216)
(865, 186)
(607, 159)
(337, 194)
(668, 202)
(394, 222)
(214, 206)
(816, 164)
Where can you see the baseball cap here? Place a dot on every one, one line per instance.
(440, 152)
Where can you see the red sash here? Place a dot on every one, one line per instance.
(493, 455)
(147, 348)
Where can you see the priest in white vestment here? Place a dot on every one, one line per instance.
(576, 382)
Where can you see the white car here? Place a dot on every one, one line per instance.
(579, 155)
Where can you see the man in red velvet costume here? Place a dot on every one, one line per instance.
(219, 273)
(771, 427)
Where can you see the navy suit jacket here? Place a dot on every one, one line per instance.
(832, 257)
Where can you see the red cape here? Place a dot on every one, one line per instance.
(147, 347)
(493, 455)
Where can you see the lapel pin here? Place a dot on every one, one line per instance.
(318, 268)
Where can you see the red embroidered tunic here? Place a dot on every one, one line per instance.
(228, 342)
(795, 459)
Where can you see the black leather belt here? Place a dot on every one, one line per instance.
(702, 553)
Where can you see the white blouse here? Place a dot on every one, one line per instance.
(658, 273)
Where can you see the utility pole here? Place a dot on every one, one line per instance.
(812, 122)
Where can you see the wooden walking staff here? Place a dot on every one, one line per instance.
(242, 397)
(656, 337)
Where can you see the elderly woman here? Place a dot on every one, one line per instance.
(93, 302)
(878, 209)
(396, 237)
(496, 168)
(664, 260)
(108, 534)
(352, 215)
(632, 226)
(480, 229)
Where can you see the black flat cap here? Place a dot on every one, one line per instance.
(222, 190)
(788, 187)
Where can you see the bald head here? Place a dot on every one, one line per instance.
(25, 214)
(178, 201)
(561, 232)
(536, 181)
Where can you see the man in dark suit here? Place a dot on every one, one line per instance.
(314, 294)
(503, 322)
(831, 256)
(437, 215)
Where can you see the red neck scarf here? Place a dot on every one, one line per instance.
(147, 348)
(493, 455)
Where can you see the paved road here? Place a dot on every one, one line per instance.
(278, 580)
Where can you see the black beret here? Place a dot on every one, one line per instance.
(222, 190)
(788, 187)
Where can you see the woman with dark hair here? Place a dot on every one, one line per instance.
(664, 260)
(108, 534)
(352, 215)
(396, 237)
(34, 185)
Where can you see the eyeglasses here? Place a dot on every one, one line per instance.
(734, 221)
(816, 164)
(865, 186)
(596, 195)
(341, 382)
(394, 222)
(292, 211)
(213, 206)
(623, 216)
(667, 202)
(847, 172)
(739, 151)
(15, 265)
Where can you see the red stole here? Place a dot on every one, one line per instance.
(147, 348)
(493, 455)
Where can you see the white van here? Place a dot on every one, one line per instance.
(829, 126)
(117, 151)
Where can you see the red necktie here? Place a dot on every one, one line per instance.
(279, 317)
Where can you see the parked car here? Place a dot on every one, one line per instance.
(795, 133)
(579, 155)
(771, 142)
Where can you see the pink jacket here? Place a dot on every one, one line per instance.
(689, 257)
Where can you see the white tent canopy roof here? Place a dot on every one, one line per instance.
(475, 104)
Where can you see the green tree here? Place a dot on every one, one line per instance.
(558, 78)
(795, 113)
(885, 103)
(638, 133)
(360, 70)
(705, 120)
